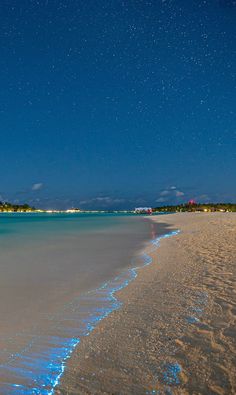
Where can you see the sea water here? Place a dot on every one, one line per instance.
(59, 275)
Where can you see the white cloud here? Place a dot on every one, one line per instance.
(102, 199)
(169, 194)
(37, 186)
(164, 193)
(179, 193)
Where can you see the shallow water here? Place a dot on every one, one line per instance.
(50, 266)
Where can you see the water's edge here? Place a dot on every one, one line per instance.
(110, 288)
(77, 320)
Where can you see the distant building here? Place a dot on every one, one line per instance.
(143, 210)
(73, 210)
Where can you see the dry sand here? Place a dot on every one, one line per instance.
(176, 331)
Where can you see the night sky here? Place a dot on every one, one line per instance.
(117, 103)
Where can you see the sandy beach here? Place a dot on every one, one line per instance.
(175, 332)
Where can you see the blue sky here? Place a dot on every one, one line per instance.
(114, 104)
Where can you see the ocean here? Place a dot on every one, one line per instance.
(59, 274)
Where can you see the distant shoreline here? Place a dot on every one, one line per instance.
(186, 207)
(67, 212)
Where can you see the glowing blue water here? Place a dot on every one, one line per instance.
(37, 369)
(171, 373)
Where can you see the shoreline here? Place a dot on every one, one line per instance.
(153, 342)
(109, 291)
(46, 306)
(38, 365)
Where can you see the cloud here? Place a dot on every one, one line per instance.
(169, 194)
(102, 201)
(179, 193)
(165, 192)
(37, 186)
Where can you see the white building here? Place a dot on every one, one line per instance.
(143, 210)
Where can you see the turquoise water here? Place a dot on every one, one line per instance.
(59, 275)
(34, 224)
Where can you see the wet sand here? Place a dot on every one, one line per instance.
(50, 270)
(40, 273)
(175, 333)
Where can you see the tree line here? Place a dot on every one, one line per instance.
(6, 206)
(193, 207)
